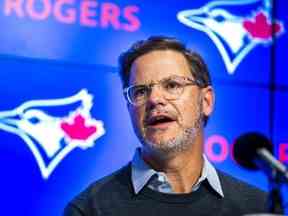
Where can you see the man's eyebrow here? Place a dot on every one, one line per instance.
(163, 79)
(176, 76)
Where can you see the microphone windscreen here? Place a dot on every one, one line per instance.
(246, 146)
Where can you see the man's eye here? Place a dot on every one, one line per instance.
(172, 85)
(139, 92)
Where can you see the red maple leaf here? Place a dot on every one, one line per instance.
(261, 28)
(77, 129)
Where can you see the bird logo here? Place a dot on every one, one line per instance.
(235, 26)
(49, 135)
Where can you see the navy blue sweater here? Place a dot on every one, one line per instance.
(114, 195)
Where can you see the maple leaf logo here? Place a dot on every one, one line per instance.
(78, 130)
(33, 122)
(261, 27)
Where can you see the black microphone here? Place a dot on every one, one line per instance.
(255, 151)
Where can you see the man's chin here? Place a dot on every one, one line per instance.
(160, 140)
(170, 142)
(162, 146)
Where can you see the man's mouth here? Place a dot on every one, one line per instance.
(160, 121)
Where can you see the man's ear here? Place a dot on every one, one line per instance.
(208, 100)
(129, 106)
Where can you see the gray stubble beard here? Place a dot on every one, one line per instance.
(181, 142)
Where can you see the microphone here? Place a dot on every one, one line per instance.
(255, 151)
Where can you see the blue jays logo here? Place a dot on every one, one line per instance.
(50, 137)
(235, 26)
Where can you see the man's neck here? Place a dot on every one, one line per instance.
(182, 169)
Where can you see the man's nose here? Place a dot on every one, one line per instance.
(157, 96)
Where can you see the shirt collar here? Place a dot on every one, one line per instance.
(141, 173)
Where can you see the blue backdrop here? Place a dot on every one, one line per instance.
(59, 76)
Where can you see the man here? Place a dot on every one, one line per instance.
(169, 98)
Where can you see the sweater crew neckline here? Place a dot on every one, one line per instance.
(193, 196)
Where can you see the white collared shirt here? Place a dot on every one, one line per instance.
(142, 174)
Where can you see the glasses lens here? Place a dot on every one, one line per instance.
(173, 87)
(138, 94)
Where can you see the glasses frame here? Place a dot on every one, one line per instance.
(150, 86)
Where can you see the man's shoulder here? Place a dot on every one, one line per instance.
(240, 191)
(103, 189)
(118, 178)
(233, 183)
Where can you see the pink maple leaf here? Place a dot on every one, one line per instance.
(77, 129)
(261, 28)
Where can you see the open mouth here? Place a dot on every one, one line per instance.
(160, 121)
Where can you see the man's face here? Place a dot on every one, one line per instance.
(161, 123)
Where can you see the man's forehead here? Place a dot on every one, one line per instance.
(158, 65)
(165, 57)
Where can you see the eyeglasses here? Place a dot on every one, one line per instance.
(171, 87)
